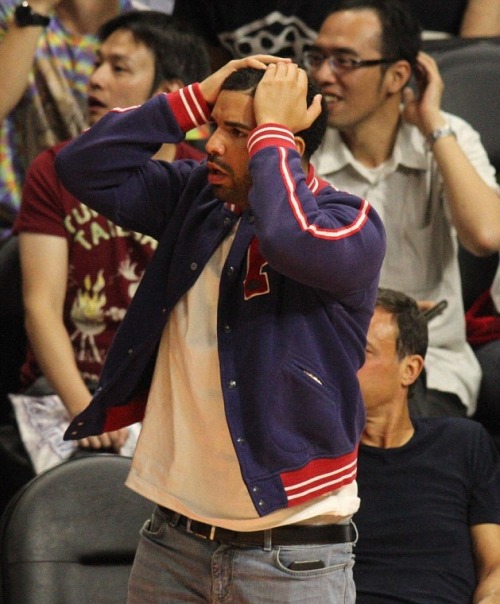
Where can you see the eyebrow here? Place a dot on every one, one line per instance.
(113, 56)
(233, 124)
(336, 49)
(238, 125)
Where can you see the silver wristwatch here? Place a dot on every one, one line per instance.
(438, 133)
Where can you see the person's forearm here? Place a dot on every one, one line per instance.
(17, 52)
(53, 350)
(120, 143)
(106, 166)
(481, 18)
(463, 163)
(474, 206)
(303, 235)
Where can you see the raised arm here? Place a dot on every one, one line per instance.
(17, 52)
(474, 205)
(315, 234)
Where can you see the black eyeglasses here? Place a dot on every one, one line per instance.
(314, 59)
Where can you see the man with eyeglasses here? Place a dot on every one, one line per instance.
(425, 171)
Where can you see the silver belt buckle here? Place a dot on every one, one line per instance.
(210, 536)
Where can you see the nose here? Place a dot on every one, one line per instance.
(97, 77)
(215, 144)
(325, 74)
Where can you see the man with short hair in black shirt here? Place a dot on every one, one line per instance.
(429, 521)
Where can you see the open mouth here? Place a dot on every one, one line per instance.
(216, 176)
(95, 104)
(215, 170)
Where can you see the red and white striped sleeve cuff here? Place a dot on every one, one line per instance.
(270, 135)
(189, 107)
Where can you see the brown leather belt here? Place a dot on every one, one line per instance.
(283, 535)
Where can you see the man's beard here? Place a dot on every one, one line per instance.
(238, 193)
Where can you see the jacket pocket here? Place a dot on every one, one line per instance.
(304, 411)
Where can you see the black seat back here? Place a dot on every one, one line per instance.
(70, 535)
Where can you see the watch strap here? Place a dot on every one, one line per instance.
(438, 133)
(26, 17)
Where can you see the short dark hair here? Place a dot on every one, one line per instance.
(401, 30)
(413, 335)
(179, 53)
(246, 80)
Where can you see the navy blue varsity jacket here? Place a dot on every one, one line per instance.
(295, 300)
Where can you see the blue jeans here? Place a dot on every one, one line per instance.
(172, 565)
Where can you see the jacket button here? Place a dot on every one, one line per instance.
(240, 440)
(232, 384)
(262, 503)
(130, 350)
(230, 271)
(227, 221)
(226, 328)
(194, 266)
(255, 489)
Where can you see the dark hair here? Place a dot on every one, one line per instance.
(246, 80)
(401, 30)
(413, 336)
(179, 53)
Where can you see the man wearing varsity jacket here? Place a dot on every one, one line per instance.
(240, 350)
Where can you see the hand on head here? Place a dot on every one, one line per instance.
(423, 109)
(281, 97)
(210, 87)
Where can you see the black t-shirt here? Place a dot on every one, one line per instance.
(417, 504)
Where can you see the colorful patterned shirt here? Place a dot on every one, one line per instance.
(54, 105)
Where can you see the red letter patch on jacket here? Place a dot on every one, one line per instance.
(256, 281)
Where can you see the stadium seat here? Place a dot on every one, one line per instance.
(69, 536)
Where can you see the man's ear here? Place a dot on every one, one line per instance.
(397, 76)
(170, 86)
(300, 144)
(412, 368)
